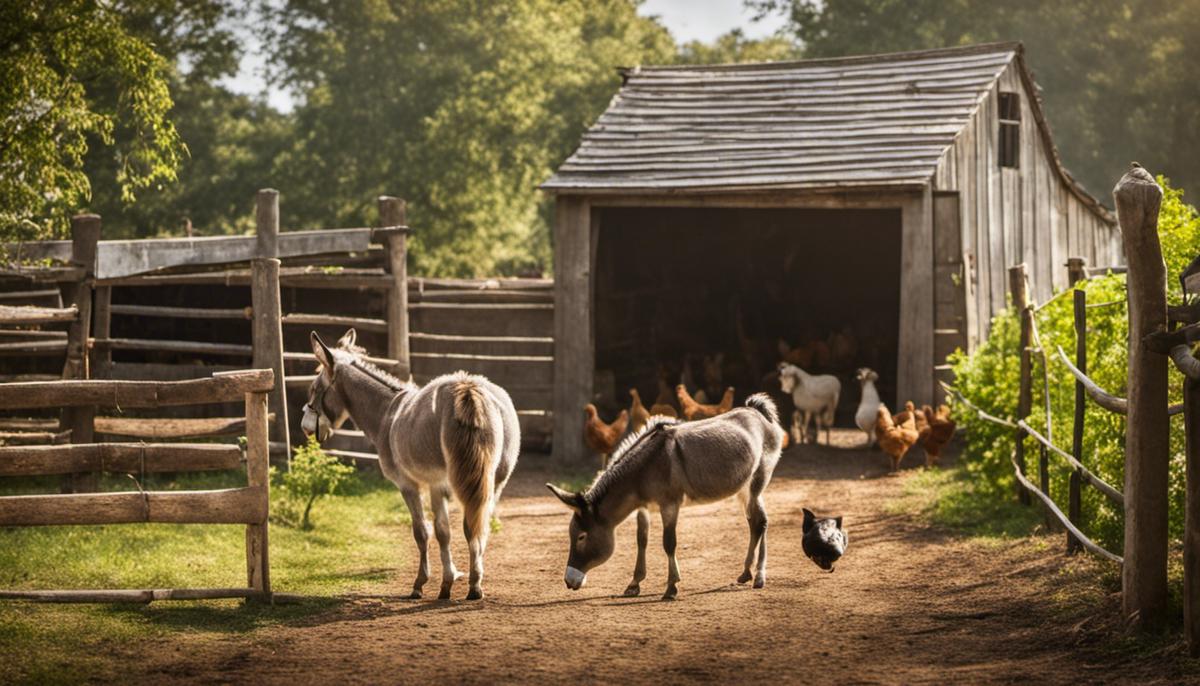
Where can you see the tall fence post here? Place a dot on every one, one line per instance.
(85, 237)
(1076, 272)
(267, 329)
(258, 566)
(392, 213)
(1191, 535)
(1144, 575)
(1020, 299)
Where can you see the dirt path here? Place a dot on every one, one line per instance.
(907, 605)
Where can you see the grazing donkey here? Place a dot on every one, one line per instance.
(457, 434)
(666, 463)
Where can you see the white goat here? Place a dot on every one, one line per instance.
(868, 407)
(815, 397)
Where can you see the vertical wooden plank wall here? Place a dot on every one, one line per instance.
(574, 347)
(916, 297)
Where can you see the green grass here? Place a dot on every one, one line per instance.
(950, 498)
(358, 541)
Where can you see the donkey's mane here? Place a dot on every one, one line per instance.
(358, 360)
(625, 458)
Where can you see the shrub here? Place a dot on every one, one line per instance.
(990, 379)
(313, 475)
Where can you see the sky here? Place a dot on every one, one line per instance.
(687, 20)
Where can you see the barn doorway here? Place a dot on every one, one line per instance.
(698, 293)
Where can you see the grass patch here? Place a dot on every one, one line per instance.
(353, 546)
(950, 498)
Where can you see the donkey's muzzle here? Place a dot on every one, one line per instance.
(575, 579)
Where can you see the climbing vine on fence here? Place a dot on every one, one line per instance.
(990, 378)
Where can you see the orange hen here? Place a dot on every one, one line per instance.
(693, 410)
(638, 414)
(601, 437)
(895, 439)
(941, 430)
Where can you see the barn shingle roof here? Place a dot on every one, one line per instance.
(880, 120)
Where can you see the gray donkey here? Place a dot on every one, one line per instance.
(666, 463)
(457, 434)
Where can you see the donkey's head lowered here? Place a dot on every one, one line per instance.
(592, 540)
(326, 408)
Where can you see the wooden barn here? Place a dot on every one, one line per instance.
(715, 214)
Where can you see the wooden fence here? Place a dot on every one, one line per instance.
(170, 309)
(1155, 333)
(247, 505)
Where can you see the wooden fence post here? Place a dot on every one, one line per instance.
(266, 221)
(1076, 272)
(258, 565)
(1020, 300)
(392, 213)
(85, 237)
(267, 328)
(1144, 576)
(1191, 535)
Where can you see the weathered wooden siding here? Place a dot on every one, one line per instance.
(1009, 215)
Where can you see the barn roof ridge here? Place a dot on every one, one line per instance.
(834, 123)
(901, 56)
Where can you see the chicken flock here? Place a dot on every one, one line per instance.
(815, 398)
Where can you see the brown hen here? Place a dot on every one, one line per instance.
(693, 410)
(895, 439)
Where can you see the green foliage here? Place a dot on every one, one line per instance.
(1119, 77)
(55, 57)
(313, 474)
(990, 378)
(734, 47)
(461, 107)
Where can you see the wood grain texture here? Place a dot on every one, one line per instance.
(574, 352)
(226, 506)
(220, 387)
(133, 458)
(1144, 576)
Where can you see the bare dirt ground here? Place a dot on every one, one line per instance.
(908, 605)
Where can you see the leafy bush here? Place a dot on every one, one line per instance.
(313, 475)
(990, 379)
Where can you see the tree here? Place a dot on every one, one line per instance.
(461, 107)
(53, 56)
(1119, 77)
(232, 139)
(734, 47)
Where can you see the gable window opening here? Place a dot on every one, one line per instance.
(1010, 130)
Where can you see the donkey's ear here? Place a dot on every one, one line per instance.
(321, 351)
(346, 342)
(838, 519)
(809, 519)
(574, 501)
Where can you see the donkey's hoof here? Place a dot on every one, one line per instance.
(745, 576)
(415, 595)
(475, 594)
(670, 594)
(759, 582)
(444, 594)
(632, 591)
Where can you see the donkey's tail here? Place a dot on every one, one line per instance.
(764, 405)
(472, 449)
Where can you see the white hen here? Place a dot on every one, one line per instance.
(868, 407)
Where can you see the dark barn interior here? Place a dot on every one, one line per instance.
(716, 296)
